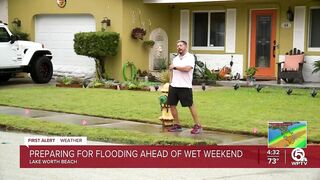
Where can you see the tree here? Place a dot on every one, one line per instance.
(97, 45)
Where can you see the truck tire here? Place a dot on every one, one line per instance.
(41, 70)
(5, 77)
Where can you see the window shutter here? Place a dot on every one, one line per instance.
(299, 27)
(184, 25)
(231, 30)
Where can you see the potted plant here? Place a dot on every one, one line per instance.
(250, 72)
(148, 44)
(138, 33)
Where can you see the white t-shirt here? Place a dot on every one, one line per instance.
(179, 78)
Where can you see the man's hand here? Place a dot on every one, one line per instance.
(171, 67)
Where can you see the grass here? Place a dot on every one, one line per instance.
(9, 122)
(219, 109)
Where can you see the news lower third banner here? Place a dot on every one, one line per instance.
(128, 156)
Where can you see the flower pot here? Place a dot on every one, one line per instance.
(138, 33)
(250, 81)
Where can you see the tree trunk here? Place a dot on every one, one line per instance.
(102, 69)
(98, 69)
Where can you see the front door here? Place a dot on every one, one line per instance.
(263, 43)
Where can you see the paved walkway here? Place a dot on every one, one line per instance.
(220, 137)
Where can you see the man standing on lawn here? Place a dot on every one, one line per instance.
(181, 87)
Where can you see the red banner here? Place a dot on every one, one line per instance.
(168, 157)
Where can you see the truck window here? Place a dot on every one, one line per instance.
(4, 36)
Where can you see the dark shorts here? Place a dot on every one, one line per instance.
(184, 95)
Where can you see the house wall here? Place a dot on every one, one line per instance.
(153, 17)
(166, 17)
(122, 21)
(26, 11)
(284, 35)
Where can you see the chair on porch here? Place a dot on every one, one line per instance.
(291, 69)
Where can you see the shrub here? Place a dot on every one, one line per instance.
(316, 66)
(142, 73)
(68, 80)
(251, 71)
(97, 45)
(161, 64)
(165, 77)
(201, 72)
(19, 34)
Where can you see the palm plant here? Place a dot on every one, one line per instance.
(316, 66)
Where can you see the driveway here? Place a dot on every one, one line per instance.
(23, 82)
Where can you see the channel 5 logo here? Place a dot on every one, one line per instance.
(299, 157)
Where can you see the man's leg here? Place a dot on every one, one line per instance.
(176, 126)
(194, 114)
(197, 127)
(174, 113)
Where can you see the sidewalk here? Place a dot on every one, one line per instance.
(220, 137)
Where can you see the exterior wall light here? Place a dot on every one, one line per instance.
(290, 15)
(106, 22)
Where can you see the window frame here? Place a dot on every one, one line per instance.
(6, 30)
(311, 49)
(208, 47)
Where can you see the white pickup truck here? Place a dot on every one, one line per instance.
(23, 56)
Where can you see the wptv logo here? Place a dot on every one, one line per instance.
(299, 157)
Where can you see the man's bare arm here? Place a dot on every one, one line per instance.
(183, 68)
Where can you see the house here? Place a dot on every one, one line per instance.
(248, 32)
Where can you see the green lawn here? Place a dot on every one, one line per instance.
(221, 108)
(9, 122)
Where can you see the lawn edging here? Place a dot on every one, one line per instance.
(259, 134)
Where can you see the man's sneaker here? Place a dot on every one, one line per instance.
(196, 129)
(175, 128)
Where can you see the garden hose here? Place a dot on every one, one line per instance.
(133, 71)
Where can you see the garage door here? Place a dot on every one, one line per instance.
(56, 32)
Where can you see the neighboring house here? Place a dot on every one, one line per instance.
(248, 32)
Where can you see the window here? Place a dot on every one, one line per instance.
(314, 36)
(4, 36)
(208, 29)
